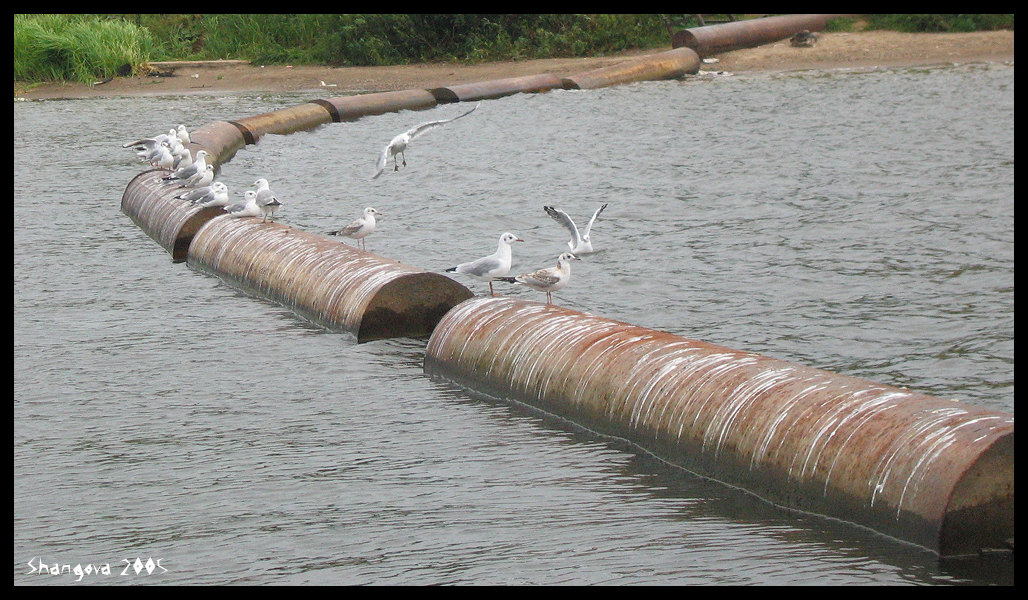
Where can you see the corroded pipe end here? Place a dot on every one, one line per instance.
(287, 120)
(330, 283)
(980, 513)
(220, 139)
(663, 65)
(151, 204)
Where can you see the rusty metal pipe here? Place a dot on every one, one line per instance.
(285, 121)
(663, 65)
(725, 37)
(327, 282)
(497, 88)
(351, 108)
(172, 223)
(934, 472)
(220, 139)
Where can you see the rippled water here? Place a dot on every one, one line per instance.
(860, 222)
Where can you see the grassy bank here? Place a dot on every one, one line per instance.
(86, 48)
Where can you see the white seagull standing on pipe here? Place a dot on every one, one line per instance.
(266, 199)
(489, 267)
(400, 142)
(547, 280)
(247, 208)
(360, 228)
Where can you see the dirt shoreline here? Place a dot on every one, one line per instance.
(860, 50)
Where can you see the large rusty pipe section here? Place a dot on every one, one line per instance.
(285, 121)
(328, 282)
(351, 108)
(725, 37)
(663, 65)
(927, 470)
(497, 88)
(220, 139)
(151, 205)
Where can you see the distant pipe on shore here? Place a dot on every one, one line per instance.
(725, 37)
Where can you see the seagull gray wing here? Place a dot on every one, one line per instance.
(382, 158)
(423, 128)
(264, 197)
(562, 217)
(480, 267)
(351, 228)
(544, 277)
(589, 227)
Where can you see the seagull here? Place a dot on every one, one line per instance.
(150, 143)
(266, 199)
(247, 208)
(217, 195)
(199, 166)
(547, 280)
(361, 227)
(579, 243)
(149, 147)
(494, 265)
(400, 142)
(195, 193)
(203, 179)
(182, 134)
(163, 158)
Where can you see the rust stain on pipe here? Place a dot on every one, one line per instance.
(927, 470)
(172, 223)
(351, 108)
(220, 139)
(725, 37)
(285, 121)
(663, 65)
(327, 282)
(497, 88)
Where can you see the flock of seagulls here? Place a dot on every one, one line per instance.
(169, 152)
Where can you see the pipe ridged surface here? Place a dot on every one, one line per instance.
(497, 88)
(725, 37)
(663, 65)
(927, 470)
(172, 223)
(351, 108)
(287, 120)
(328, 282)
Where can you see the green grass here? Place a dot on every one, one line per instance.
(75, 48)
(89, 47)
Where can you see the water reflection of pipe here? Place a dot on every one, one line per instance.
(927, 470)
(725, 37)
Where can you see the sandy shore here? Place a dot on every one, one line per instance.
(833, 51)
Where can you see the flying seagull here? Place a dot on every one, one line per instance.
(580, 242)
(399, 143)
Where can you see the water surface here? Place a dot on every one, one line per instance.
(859, 222)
